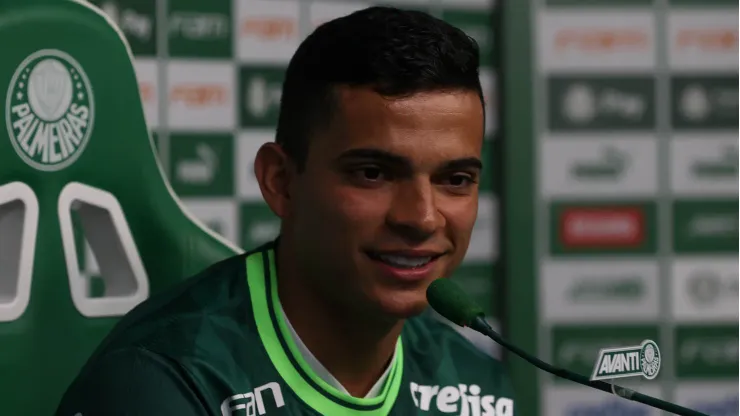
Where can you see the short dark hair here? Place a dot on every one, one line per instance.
(394, 51)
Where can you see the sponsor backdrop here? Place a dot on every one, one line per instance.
(635, 164)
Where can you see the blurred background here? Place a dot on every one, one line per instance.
(609, 213)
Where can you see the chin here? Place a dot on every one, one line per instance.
(403, 305)
(397, 300)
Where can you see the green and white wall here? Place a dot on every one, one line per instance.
(620, 132)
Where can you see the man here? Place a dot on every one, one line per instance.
(374, 176)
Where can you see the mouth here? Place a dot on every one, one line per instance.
(402, 260)
(409, 266)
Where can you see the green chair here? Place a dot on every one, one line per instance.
(76, 157)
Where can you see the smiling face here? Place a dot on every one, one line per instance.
(388, 198)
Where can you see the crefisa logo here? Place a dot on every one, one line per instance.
(640, 360)
(49, 110)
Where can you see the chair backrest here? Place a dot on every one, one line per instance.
(76, 158)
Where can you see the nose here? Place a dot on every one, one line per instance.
(414, 214)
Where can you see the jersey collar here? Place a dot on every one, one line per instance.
(319, 368)
(289, 363)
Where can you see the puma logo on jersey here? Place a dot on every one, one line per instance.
(252, 403)
(461, 400)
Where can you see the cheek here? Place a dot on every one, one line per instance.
(356, 206)
(460, 215)
(342, 209)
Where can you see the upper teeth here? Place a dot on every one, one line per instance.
(405, 261)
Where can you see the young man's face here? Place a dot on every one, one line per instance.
(388, 199)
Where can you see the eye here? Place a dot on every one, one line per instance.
(370, 173)
(460, 180)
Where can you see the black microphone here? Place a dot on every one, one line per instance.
(449, 300)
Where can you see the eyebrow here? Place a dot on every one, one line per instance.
(464, 163)
(394, 159)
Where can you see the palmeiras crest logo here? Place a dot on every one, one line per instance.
(49, 110)
(649, 359)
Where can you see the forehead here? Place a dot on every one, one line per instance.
(444, 123)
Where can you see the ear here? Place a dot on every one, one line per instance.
(274, 170)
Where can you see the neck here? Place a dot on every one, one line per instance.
(353, 347)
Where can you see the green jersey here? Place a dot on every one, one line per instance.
(217, 345)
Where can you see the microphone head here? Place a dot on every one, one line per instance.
(449, 300)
